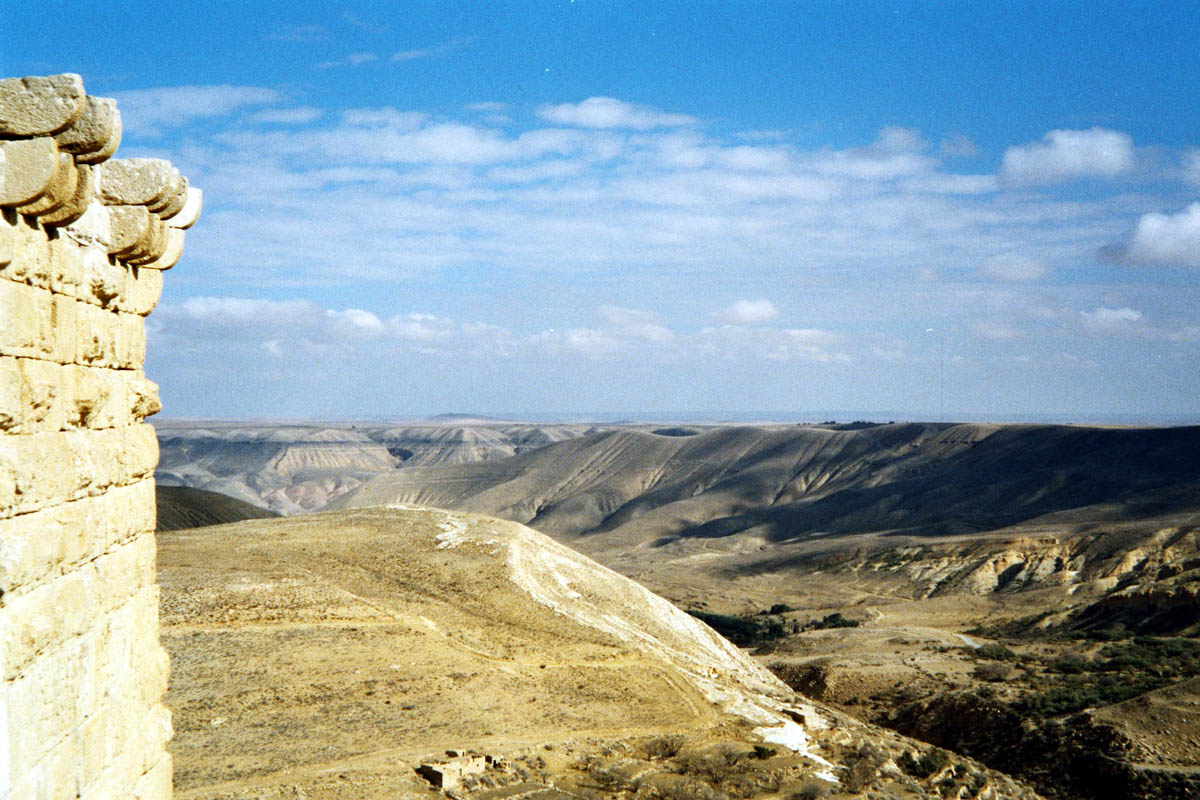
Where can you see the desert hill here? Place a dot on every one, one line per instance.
(329, 655)
(184, 507)
(794, 482)
(298, 468)
(1053, 549)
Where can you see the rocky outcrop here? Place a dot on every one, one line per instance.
(84, 239)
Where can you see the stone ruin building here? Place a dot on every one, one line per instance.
(84, 240)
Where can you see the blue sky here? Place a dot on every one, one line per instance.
(555, 208)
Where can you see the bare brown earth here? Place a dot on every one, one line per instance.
(326, 656)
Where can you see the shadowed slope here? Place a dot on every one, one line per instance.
(184, 507)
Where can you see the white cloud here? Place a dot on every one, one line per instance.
(1167, 238)
(745, 312)
(148, 112)
(1067, 154)
(1111, 318)
(300, 115)
(1014, 267)
(608, 112)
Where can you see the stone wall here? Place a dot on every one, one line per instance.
(84, 239)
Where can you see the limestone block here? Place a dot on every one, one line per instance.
(28, 166)
(141, 448)
(12, 407)
(65, 265)
(145, 288)
(103, 282)
(90, 740)
(60, 189)
(35, 547)
(92, 131)
(94, 228)
(30, 255)
(187, 216)
(96, 332)
(170, 254)
(155, 784)
(120, 575)
(142, 398)
(41, 470)
(29, 317)
(131, 342)
(37, 620)
(46, 389)
(40, 105)
(75, 206)
(64, 312)
(43, 707)
(91, 403)
(176, 202)
(8, 236)
(173, 197)
(128, 225)
(150, 247)
(136, 181)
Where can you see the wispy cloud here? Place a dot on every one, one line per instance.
(148, 112)
(1191, 166)
(433, 51)
(300, 33)
(299, 115)
(352, 60)
(1014, 267)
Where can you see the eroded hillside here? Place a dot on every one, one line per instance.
(299, 468)
(329, 655)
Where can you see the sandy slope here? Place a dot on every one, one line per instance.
(325, 655)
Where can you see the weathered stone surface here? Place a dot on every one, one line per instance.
(75, 206)
(8, 236)
(187, 216)
(150, 246)
(27, 166)
(136, 181)
(82, 673)
(92, 131)
(145, 288)
(36, 106)
(171, 252)
(176, 202)
(60, 189)
(94, 228)
(128, 225)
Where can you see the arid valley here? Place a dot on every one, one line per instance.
(949, 608)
